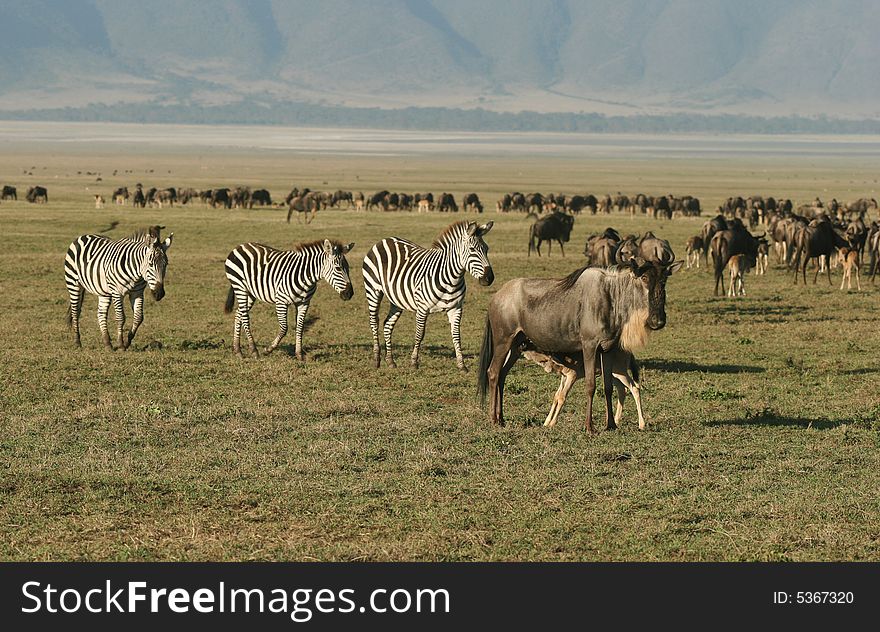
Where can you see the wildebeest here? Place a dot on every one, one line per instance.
(338, 198)
(99, 201)
(694, 249)
(556, 226)
(139, 200)
(378, 200)
(37, 195)
(817, 239)
(446, 203)
(623, 367)
(166, 196)
(221, 197)
(601, 249)
(304, 205)
(739, 266)
(851, 262)
(590, 310)
(186, 195)
(260, 197)
(472, 202)
(9, 193)
(710, 227)
(121, 195)
(736, 240)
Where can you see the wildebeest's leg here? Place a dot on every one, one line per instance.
(393, 314)
(828, 271)
(281, 313)
(119, 311)
(504, 355)
(421, 322)
(608, 388)
(454, 316)
(561, 248)
(77, 294)
(136, 299)
(858, 279)
(103, 308)
(590, 349)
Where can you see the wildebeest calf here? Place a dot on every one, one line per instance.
(739, 266)
(849, 259)
(571, 368)
(694, 249)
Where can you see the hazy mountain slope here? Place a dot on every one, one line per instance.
(613, 56)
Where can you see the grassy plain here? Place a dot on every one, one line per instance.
(764, 415)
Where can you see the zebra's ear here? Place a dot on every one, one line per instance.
(485, 228)
(346, 249)
(472, 229)
(167, 243)
(328, 246)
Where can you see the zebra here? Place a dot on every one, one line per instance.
(111, 269)
(425, 280)
(282, 277)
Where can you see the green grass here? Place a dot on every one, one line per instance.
(764, 416)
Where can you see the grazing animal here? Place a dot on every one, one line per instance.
(591, 309)
(554, 227)
(472, 202)
(284, 278)
(99, 201)
(120, 195)
(424, 281)
(851, 261)
(9, 193)
(571, 368)
(817, 239)
(261, 197)
(736, 240)
(37, 195)
(695, 248)
(112, 269)
(738, 266)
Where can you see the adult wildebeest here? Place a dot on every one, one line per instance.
(378, 200)
(260, 197)
(472, 203)
(590, 310)
(139, 200)
(221, 197)
(710, 227)
(9, 193)
(556, 226)
(166, 196)
(37, 195)
(338, 197)
(120, 195)
(305, 205)
(186, 195)
(736, 240)
(601, 249)
(446, 203)
(817, 239)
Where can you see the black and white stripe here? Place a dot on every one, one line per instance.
(282, 277)
(425, 280)
(111, 269)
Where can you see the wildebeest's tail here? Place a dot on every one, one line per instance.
(230, 301)
(485, 360)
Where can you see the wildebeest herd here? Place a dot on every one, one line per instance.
(591, 321)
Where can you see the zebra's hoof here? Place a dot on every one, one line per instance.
(462, 368)
(268, 350)
(391, 364)
(300, 356)
(414, 363)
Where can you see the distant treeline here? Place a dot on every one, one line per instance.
(444, 119)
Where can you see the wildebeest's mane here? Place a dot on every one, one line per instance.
(566, 283)
(446, 232)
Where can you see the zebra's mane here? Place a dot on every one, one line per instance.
(318, 243)
(449, 230)
(146, 235)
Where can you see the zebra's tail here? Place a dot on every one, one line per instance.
(230, 301)
(485, 360)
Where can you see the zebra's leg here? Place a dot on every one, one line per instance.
(301, 311)
(281, 312)
(454, 316)
(120, 320)
(374, 298)
(393, 314)
(243, 323)
(137, 315)
(246, 323)
(421, 321)
(103, 308)
(77, 294)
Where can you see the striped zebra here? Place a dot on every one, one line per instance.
(282, 277)
(424, 281)
(111, 269)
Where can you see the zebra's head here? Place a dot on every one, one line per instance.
(475, 253)
(154, 266)
(335, 270)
